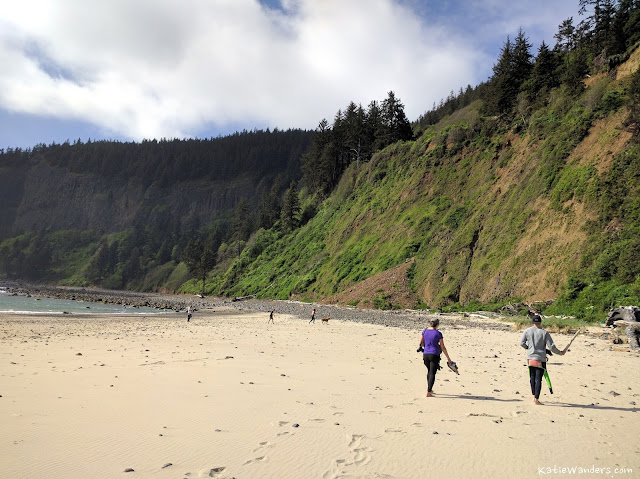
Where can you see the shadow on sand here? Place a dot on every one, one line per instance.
(550, 404)
(476, 398)
(591, 406)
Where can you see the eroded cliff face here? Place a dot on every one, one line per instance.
(45, 197)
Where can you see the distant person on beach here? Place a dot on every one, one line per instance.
(313, 316)
(271, 316)
(536, 341)
(189, 312)
(432, 345)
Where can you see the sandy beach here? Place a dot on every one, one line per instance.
(228, 395)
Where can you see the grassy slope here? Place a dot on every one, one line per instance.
(487, 216)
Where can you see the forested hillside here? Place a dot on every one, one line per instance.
(120, 215)
(523, 188)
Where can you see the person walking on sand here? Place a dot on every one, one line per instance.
(188, 314)
(432, 345)
(536, 341)
(313, 316)
(271, 316)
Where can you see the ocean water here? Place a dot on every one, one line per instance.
(34, 305)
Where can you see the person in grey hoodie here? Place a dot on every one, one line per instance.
(536, 341)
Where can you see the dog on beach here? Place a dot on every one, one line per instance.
(325, 320)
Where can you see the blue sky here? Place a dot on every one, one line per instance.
(135, 69)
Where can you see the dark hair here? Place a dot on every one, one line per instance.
(434, 322)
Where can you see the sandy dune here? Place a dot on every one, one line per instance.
(227, 395)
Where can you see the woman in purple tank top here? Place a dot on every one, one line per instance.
(432, 344)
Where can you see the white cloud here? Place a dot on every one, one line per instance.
(165, 68)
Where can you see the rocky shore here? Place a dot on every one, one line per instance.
(409, 319)
(126, 298)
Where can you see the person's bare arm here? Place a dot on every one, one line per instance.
(444, 350)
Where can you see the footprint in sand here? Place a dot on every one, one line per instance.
(262, 445)
(361, 456)
(355, 440)
(257, 459)
(214, 472)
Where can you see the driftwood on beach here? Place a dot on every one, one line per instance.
(628, 317)
(243, 298)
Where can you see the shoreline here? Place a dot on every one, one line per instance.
(404, 318)
(409, 319)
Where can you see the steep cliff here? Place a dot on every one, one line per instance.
(111, 186)
(56, 199)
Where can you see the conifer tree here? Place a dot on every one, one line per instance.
(522, 63)
(200, 257)
(576, 70)
(510, 73)
(373, 123)
(354, 132)
(501, 94)
(544, 76)
(242, 222)
(315, 164)
(290, 214)
(269, 206)
(395, 126)
(566, 37)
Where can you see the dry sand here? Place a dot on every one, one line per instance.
(228, 395)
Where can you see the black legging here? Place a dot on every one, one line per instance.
(432, 362)
(535, 378)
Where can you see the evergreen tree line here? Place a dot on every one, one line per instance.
(167, 162)
(354, 136)
(520, 82)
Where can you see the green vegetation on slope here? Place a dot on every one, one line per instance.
(489, 210)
